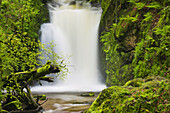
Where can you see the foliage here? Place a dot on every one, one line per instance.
(0, 93)
(151, 96)
(21, 50)
(18, 96)
(152, 52)
(19, 35)
(136, 36)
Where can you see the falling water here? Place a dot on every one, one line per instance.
(74, 29)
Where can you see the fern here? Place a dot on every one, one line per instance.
(155, 5)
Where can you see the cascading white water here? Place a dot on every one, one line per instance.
(74, 29)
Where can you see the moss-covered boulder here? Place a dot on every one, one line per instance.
(149, 95)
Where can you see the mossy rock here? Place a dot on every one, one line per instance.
(91, 94)
(119, 76)
(138, 95)
(135, 82)
(108, 98)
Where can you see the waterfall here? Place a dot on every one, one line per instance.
(74, 30)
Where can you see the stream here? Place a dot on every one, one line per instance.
(70, 102)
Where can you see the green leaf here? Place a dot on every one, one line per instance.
(155, 5)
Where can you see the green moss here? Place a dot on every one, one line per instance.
(132, 99)
(135, 82)
(119, 76)
(116, 46)
(91, 94)
(108, 98)
(134, 33)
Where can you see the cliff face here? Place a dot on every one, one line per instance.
(134, 39)
(117, 43)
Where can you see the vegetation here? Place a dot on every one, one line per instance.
(21, 53)
(18, 96)
(135, 43)
(134, 39)
(19, 35)
(149, 95)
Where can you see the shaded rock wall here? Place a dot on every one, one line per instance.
(133, 39)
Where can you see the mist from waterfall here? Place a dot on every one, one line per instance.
(74, 30)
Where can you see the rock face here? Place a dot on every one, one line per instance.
(116, 49)
(138, 95)
(133, 39)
